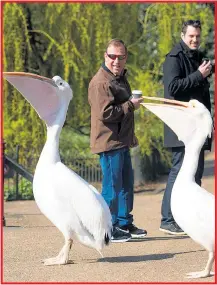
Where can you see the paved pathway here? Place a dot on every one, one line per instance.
(30, 237)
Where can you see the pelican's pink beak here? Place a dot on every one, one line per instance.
(177, 115)
(39, 91)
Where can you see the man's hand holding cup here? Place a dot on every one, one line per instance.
(136, 98)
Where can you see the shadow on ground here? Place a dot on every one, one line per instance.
(169, 237)
(139, 258)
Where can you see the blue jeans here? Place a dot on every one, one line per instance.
(177, 159)
(117, 185)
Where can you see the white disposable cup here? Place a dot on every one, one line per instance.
(137, 93)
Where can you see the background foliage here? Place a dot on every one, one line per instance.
(69, 39)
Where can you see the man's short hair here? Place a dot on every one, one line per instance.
(116, 43)
(194, 23)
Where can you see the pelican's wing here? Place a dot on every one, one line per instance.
(179, 118)
(200, 224)
(88, 204)
(104, 204)
(39, 91)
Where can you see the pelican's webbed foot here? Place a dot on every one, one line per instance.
(57, 260)
(62, 258)
(200, 274)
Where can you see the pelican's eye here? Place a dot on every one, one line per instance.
(192, 104)
(61, 83)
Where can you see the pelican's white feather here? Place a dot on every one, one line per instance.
(71, 204)
(175, 117)
(193, 208)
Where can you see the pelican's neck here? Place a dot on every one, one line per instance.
(50, 152)
(191, 157)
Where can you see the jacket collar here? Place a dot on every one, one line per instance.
(177, 49)
(189, 52)
(109, 71)
(182, 47)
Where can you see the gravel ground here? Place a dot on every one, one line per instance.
(29, 237)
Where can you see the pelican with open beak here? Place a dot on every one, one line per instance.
(68, 201)
(193, 208)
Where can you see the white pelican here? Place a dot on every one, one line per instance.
(68, 201)
(193, 208)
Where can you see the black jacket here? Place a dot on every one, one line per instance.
(183, 81)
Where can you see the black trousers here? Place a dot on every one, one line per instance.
(177, 159)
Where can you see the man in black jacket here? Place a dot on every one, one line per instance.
(185, 78)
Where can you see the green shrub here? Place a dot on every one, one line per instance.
(25, 191)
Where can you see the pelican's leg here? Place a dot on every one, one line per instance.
(62, 257)
(207, 271)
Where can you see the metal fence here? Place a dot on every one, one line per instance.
(145, 169)
(17, 187)
(88, 168)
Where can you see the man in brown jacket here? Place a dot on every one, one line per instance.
(112, 135)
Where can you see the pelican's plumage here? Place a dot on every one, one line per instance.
(68, 201)
(193, 208)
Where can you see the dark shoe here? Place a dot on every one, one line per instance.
(134, 231)
(172, 229)
(4, 221)
(120, 236)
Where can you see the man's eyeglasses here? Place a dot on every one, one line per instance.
(114, 56)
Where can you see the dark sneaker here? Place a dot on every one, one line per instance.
(134, 231)
(120, 236)
(172, 229)
(4, 221)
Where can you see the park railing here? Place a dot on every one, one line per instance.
(18, 180)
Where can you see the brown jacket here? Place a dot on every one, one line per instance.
(112, 114)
